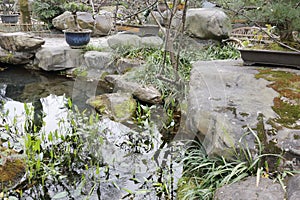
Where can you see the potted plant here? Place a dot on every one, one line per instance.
(9, 15)
(76, 37)
(261, 45)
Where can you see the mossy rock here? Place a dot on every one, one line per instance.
(287, 104)
(117, 106)
(12, 167)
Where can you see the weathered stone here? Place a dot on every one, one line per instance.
(98, 60)
(12, 168)
(176, 20)
(132, 40)
(289, 140)
(15, 58)
(157, 15)
(144, 93)
(20, 41)
(223, 101)
(207, 23)
(64, 21)
(293, 188)
(58, 58)
(118, 106)
(124, 40)
(151, 42)
(248, 190)
(85, 20)
(124, 64)
(103, 24)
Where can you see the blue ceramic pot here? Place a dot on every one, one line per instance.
(77, 39)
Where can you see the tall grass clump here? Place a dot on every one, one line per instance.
(158, 63)
(203, 174)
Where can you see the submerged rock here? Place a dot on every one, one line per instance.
(146, 93)
(117, 106)
(12, 167)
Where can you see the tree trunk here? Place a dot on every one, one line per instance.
(25, 15)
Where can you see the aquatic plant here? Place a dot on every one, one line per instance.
(68, 156)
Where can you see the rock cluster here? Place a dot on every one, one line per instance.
(100, 24)
(19, 48)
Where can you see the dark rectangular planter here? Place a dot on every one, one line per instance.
(9, 18)
(145, 30)
(270, 57)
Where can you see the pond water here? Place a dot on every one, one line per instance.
(136, 162)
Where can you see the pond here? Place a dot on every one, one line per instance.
(73, 153)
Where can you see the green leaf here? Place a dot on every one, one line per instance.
(60, 195)
(128, 191)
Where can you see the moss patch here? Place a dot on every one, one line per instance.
(289, 113)
(287, 105)
(11, 167)
(117, 106)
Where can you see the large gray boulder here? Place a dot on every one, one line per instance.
(20, 41)
(58, 58)
(96, 64)
(98, 60)
(103, 24)
(85, 20)
(123, 40)
(64, 21)
(207, 23)
(228, 104)
(293, 188)
(224, 99)
(249, 190)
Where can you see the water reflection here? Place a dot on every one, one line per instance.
(134, 164)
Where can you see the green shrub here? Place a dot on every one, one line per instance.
(46, 10)
(74, 7)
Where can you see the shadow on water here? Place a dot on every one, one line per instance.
(135, 163)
